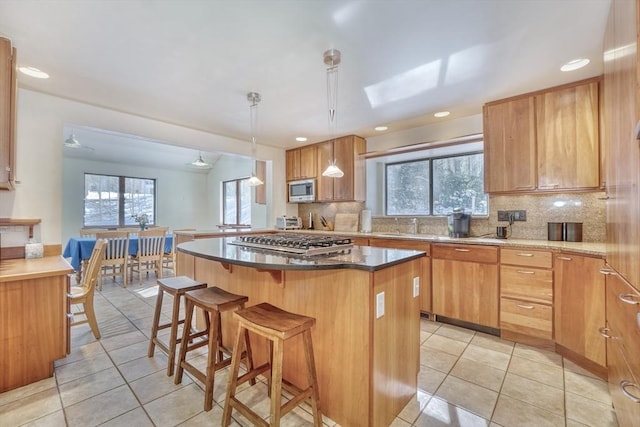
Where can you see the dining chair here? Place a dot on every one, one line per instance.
(116, 258)
(83, 294)
(150, 252)
(87, 232)
(169, 258)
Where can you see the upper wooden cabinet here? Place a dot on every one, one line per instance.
(301, 163)
(310, 161)
(7, 114)
(346, 151)
(568, 138)
(510, 145)
(544, 141)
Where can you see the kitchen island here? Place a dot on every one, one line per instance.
(367, 332)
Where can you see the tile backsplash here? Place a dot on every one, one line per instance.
(587, 208)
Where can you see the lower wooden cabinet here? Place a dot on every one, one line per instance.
(526, 295)
(580, 307)
(464, 283)
(623, 348)
(425, 283)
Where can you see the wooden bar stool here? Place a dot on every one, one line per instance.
(276, 326)
(212, 301)
(176, 286)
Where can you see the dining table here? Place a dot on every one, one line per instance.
(79, 249)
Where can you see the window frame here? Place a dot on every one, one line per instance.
(238, 186)
(430, 160)
(121, 199)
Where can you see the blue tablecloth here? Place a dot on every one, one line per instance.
(80, 248)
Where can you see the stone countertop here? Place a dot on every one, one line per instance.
(359, 257)
(585, 248)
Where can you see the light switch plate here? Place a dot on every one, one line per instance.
(416, 286)
(379, 305)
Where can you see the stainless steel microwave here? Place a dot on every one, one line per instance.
(303, 191)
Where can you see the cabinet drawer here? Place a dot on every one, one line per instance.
(532, 284)
(526, 257)
(473, 253)
(527, 318)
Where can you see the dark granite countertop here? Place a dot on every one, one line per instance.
(359, 257)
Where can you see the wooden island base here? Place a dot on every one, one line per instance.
(367, 366)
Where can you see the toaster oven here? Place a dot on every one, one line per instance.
(288, 223)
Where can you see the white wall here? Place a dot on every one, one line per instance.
(40, 121)
(433, 132)
(181, 197)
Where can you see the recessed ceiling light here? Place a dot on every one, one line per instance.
(574, 64)
(301, 139)
(441, 114)
(34, 72)
(381, 128)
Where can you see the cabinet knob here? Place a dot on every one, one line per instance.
(463, 250)
(528, 307)
(525, 254)
(606, 271)
(564, 258)
(525, 272)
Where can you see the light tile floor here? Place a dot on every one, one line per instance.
(466, 379)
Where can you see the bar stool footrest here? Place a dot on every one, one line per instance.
(255, 419)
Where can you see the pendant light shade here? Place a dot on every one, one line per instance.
(332, 59)
(73, 143)
(254, 99)
(200, 163)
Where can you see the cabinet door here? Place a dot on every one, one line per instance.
(466, 291)
(623, 150)
(580, 305)
(308, 162)
(293, 164)
(568, 138)
(510, 146)
(325, 185)
(7, 113)
(343, 151)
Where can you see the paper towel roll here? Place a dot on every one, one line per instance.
(365, 221)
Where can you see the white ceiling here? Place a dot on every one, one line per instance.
(192, 62)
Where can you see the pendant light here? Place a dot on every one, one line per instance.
(332, 59)
(200, 163)
(73, 143)
(254, 99)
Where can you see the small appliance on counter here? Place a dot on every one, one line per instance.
(458, 223)
(288, 222)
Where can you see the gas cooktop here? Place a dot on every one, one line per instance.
(301, 244)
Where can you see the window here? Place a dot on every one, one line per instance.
(236, 202)
(436, 186)
(111, 201)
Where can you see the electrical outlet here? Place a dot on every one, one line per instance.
(519, 215)
(416, 286)
(379, 305)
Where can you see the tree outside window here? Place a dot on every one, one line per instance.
(111, 201)
(436, 186)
